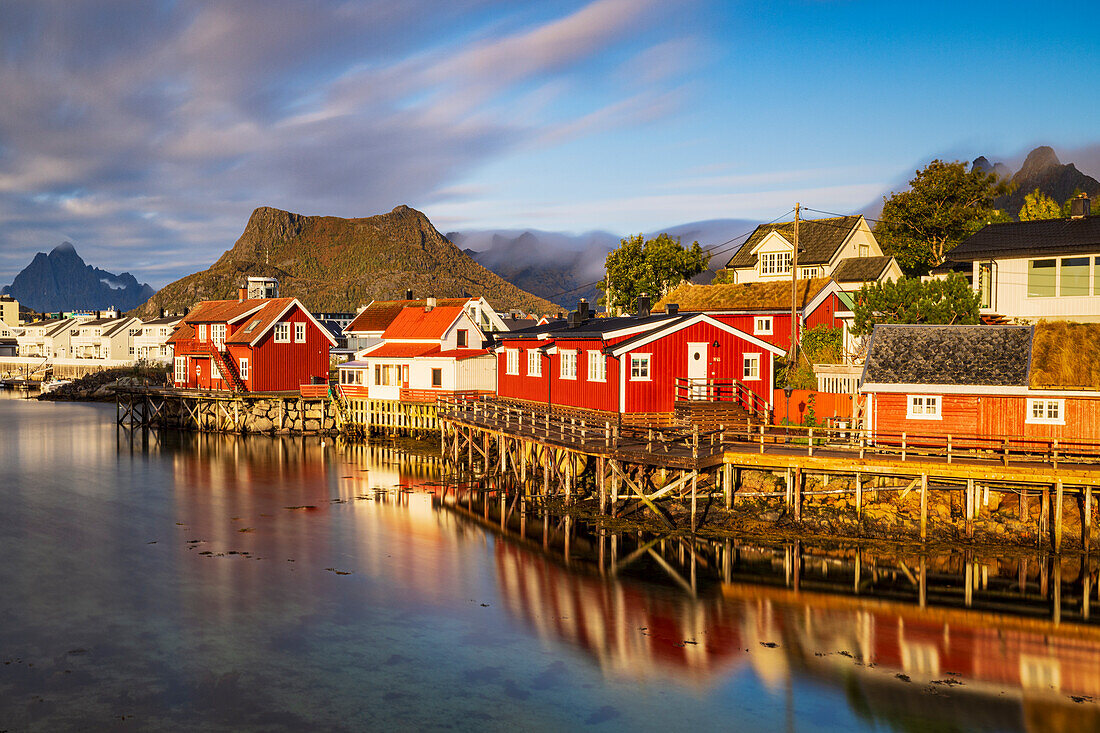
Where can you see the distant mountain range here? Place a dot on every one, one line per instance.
(62, 281)
(334, 264)
(1041, 170)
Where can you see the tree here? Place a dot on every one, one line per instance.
(945, 204)
(1037, 205)
(652, 266)
(947, 301)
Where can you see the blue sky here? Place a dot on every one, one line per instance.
(145, 133)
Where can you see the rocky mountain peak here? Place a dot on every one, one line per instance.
(1038, 161)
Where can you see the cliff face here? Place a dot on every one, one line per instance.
(1042, 170)
(61, 280)
(334, 264)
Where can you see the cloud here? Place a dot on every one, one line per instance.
(145, 132)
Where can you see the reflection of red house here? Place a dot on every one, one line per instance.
(270, 344)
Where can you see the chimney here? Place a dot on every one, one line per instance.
(582, 309)
(242, 294)
(575, 319)
(1079, 206)
(672, 309)
(98, 315)
(163, 312)
(429, 304)
(643, 305)
(409, 294)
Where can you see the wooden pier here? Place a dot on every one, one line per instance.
(626, 468)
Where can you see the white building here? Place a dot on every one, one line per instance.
(151, 345)
(49, 339)
(371, 321)
(110, 339)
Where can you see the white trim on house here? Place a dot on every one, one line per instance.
(648, 367)
(688, 322)
(930, 407)
(293, 302)
(1055, 416)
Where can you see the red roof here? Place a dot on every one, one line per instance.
(380, 314)
(259, 321)
(461, 354)
(402, 351)
(417, 322)
(255, 316)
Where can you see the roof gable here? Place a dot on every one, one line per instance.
(646, 338)
(1034, 238)
(423, 323)
(818, 240)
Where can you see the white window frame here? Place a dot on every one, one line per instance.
(300, 332)
(775, 263)
(534, 363)
(217, 334)
(763, 325)
(282, 332)
(597, 366)
(750, 367)
(1053, 411)
(567, 364)
(641, 367)
(511, 361)
(929, 408)
(202, 332)
(181, 369)
(243, 368)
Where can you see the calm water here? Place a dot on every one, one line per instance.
(203, 582)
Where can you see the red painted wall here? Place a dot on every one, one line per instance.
(284, 367)
(826, 404)
(823, 315)
(580, 392)
(670, 360)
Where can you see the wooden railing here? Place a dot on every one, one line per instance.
(686, 441)
(313, 391)
(721, 390)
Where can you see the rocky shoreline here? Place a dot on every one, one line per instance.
(100, 386)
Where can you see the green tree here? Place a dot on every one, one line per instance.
(944, 205)
(650, 266)
(1037, 205)
(947, 301)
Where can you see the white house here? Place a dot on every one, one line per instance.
(151, 345)
(425, 351)
(105, 338)
(49, 339)
(1035, 270)
(372, 320)
(843, 248)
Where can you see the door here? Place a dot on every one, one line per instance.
(697, 371)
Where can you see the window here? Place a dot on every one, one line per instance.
(808, 272)
(568, 362)
(864, 250)
(1044, 411)
(597, 367)
(1041, 279)
(437, 378)
(299, 333)
(282, 333)
(377, 375)
(217, 333)
(762, 325)
(216, 372)
(1096, 276)
(462, 338)
(181, 369)
(750, 367)
(639, 367)
(534, 363)
(202, 332)
(511, 361)
(775, 263)
(131, 351)
(923, 407)
(244, 368)
(1074, 276)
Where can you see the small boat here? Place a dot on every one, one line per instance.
(53, 384)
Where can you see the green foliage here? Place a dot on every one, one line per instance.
(1037, 205)
(823, 345)
(945, 204)
(800, 377)
(652, 266)
(947, 301)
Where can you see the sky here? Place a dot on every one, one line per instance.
(145, 132)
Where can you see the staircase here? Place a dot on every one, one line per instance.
(995, 319)
(226, 369)
(708, 416)
(344, 421)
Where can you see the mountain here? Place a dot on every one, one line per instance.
(982, 163)
(566, 267)
(334, 264)
(61, 281)
(1042, 170)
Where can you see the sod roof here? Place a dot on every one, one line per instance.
(741, 296)
(1065, 356)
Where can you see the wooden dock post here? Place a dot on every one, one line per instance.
(970, 502)
(923, 507)
(1086, 521)
(694, 479)
(790, 490)
(922, 582)
(727, 484)
(1058, 517)
(798, 495)
(602, 485)
(859, 496)
(1044, 515)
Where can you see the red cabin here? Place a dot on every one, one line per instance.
(259, 345)
(635, 365)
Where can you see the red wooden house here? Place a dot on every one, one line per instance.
(634, 365)
(262, 345)
(763, 309)
(1027, 384)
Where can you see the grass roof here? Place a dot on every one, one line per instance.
(1065, 355)
(741, 296)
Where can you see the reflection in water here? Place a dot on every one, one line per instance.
(178, 581)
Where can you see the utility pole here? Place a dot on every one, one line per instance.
(794, 288)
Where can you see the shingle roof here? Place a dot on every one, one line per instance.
(741, 296)
(223, 311)
(259, 322)
(166, 321)
(818, 240)
(377, 316)
(1022, 238)
(591, 328)
(994, 356)
(418, 322)
(861, 269)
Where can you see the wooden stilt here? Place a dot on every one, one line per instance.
(1086, 520)
(1044, 516)
(1058, 517)
(727, 484)
(970, 497)
(859, 499)
(694, 479)
(923, 507)
(798, 495)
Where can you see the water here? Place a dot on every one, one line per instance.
(189, 582)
